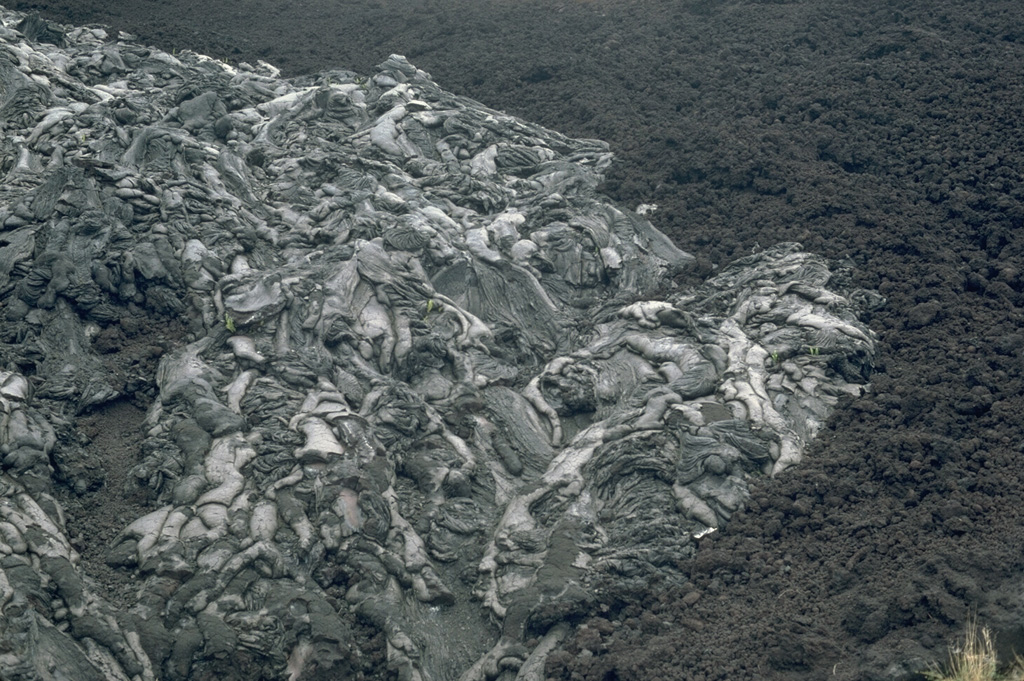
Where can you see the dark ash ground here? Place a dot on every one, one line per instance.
(888, 132)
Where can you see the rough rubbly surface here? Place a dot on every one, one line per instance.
(431, 382)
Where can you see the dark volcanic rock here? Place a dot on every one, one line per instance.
(742, 121)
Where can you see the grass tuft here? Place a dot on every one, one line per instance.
(976, 660)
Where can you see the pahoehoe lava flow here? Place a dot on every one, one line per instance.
(427, 366)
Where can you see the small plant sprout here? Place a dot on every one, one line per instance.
(431, 306)
(229, 322)
(975, 659)
(814, 350)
